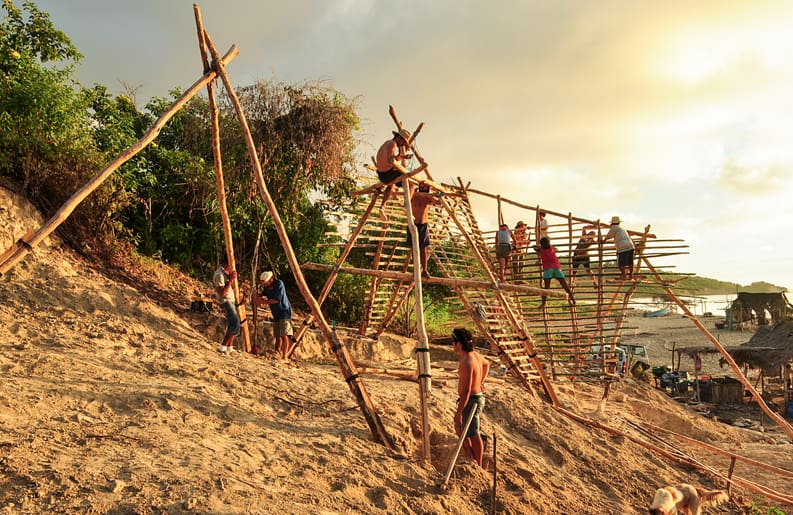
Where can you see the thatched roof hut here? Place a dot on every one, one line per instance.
(770, 348)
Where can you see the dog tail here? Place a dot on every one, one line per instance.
(712, 496)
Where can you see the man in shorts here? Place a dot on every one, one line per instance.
(223, 278)
(420, 202)
(472, 371)
(274, 294)
(624, 247)
(390, 163)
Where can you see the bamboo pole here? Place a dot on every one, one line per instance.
(782, 423)
(216, 153)
(716, 450)
(422, 347)
(63, 213)
(459, 446)
(403, 276)
(340, 351)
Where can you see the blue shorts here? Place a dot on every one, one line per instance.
(552, 273)
(232, 318)
(475, 401)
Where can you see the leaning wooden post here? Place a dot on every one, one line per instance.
(23, 247)
(786, 427)
(224, 213)
(340, 351)
(422, 348)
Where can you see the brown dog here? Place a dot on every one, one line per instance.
(685, 499)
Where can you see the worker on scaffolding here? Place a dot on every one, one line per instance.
(390, 163)
(420, 202)
(504, 239)
(624, 247)
(522, 241)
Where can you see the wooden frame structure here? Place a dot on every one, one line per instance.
(537, 346)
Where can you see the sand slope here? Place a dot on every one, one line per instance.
(110, 403)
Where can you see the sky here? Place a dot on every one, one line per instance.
(677, 114)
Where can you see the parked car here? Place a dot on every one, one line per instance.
(597, 352)
(636, 354)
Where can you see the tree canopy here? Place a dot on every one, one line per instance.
(55, 134)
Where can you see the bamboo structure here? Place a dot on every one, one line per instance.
(526, 339)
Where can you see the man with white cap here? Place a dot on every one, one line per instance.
(274, 294)
(624, 246)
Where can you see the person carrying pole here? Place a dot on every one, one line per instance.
(473, 370)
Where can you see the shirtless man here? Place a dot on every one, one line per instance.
(390, 163)
(420, 202)
(473, 370)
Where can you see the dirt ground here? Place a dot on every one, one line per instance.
(113, 403)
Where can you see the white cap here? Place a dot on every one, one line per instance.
(266, 276)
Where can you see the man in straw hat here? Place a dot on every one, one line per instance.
(390, 163)
(624, 247)
(274, 294)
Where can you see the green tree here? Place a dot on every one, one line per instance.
(45, 144)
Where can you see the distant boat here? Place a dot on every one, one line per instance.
(657, 313)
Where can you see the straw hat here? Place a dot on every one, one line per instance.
(615, 220)
(266, 276)
(404, 134)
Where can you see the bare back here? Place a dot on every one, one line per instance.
(386, 156)
(472, 372)
(420, 204)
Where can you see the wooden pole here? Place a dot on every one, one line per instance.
(216, 153)
(782, 423)
(422, 347)
(340, 351)
(459, 446)
(63, 213)
(495, 469)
